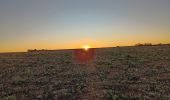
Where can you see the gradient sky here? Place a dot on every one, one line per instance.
(61, 24)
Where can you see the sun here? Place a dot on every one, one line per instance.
(86, 47)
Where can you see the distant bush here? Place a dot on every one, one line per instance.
(150, 44)
(160, 44)
(30, 50)
(138, 44)
(145, 44)
(35, 50)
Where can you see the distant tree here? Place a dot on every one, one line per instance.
(138, 44)
(148, 44)
(159, 44)
(30, 50)
(145, 44)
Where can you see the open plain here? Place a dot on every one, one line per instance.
(118, 73)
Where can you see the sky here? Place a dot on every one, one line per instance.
(67, 24)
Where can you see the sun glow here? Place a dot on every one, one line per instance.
(86, 47)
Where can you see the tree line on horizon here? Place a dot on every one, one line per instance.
(138, 44)
(150, 44)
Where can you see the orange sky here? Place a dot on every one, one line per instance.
(65, 24)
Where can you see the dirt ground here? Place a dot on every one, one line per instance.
(121, 73)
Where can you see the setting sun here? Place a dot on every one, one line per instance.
(86, 47)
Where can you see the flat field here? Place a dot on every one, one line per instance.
(120, 73)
